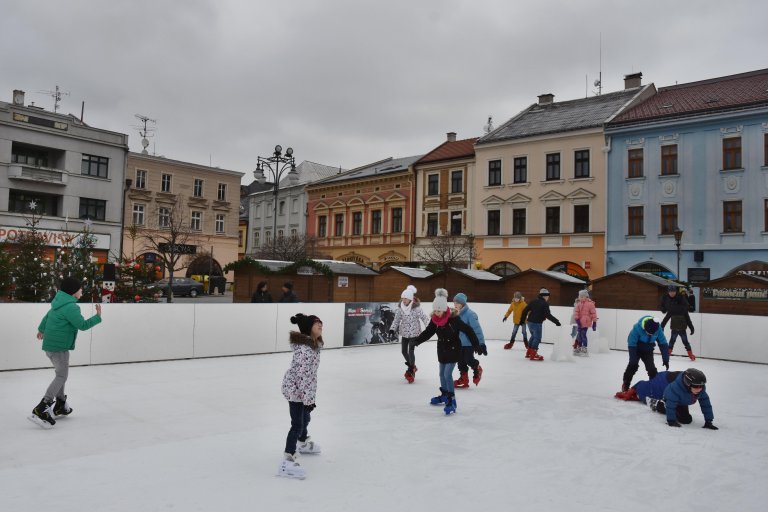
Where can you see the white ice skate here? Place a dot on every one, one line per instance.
(308, 446)
(289, 468)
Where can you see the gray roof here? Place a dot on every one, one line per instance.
(478, 274)
(274, 265)
(658, 280)
(385, 166)
(310, 172)
(561, 276)
(347, 267)
(562, 116)
(417, 273)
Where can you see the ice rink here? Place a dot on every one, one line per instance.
(208, 435)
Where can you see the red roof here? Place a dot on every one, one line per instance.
(450, 151)
(724, 93)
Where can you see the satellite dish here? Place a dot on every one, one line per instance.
(144, 142)
(597, 83)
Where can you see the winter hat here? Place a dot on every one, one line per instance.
(305, 322)
(407, 294)
(517, 295)
(651, 325)
(70, 285)
(440, 303)
(544, 292)
(411, 288)
(672, 288)
(460, 298)
(583, 294)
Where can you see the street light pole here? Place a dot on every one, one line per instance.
(678, 237)
(276, 165)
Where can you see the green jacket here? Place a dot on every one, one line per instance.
(60, 325)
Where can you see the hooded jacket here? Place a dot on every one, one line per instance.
(448, 340)
(516, 310)
(60, 325)
(584, 313)
(407, 324)
(469, 317)
(300, 381)
(677, 394)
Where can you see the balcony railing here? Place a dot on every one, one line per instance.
(39, 174)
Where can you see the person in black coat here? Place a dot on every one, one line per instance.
(261, 295)
(535, 313)
(676, 307)
(447, 326)
(288, 295)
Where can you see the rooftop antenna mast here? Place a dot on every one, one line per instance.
(56, 94)
(488, 128)
(599, 81)
(145, 131)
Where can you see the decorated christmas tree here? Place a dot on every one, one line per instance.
(5, 270)
(133, 279)
(31, 270)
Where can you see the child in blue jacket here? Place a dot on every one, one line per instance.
(688, 388)
(652, 389)
(641, 341)
(468, 360)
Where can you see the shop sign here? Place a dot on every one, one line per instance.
(735, 293)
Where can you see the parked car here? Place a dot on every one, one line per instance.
(180, 286)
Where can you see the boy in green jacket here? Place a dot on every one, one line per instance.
(58, 330)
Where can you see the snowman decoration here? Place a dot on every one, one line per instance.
(108, 292)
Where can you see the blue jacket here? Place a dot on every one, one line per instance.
(676, 394)
(655, 387)
(638, 335)
(469, 317)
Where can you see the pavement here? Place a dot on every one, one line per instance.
(216, 298)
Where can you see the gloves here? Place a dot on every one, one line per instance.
(709, 425)
(391, 332)
(557, 323)
(594, 326)
(483, 350)
(505, 319)
(673, 423)
(310, 408)
(478, 350)
(691, 331)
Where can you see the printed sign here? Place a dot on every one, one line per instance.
(343, 282)
(53, 237)
(368, 323)
(735, 293)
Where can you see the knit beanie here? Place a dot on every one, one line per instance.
(440, 303)
(544, 292)
(70, 285)
(460, 298)
(411, 288)
(407, 294)
(651, 325)
(517, 295)
(583, 294)
(305, 322)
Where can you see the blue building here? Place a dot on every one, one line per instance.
(688, 179)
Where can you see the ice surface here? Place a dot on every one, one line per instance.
(208, 435)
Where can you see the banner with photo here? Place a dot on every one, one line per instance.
(368, 323)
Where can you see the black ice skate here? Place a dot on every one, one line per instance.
(61, 408)
(42, 414)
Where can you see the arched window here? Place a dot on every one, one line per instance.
(504, 268)
(570, 268)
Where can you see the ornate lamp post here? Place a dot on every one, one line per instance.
(277, 165)
(678, 237)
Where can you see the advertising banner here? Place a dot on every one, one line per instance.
(368, 323)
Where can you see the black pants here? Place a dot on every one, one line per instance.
(682, 413)
(408, 351)
(643, 352)
(468, 360)
(300, 417)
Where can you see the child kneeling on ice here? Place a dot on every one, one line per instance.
(447, 326)
(299, 388)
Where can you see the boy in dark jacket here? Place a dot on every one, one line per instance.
(676, 308)
(288, 295)
(58, 330)
(688, 388)
(640, 343)
(535, 313)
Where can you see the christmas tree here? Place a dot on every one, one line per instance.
(31, 270)
(5, 270)
(133, 279)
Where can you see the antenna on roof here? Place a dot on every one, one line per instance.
(144, 131)
(599, 81)
(489, 125)
(56, 95)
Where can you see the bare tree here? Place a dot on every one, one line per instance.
(288, 248)
(448, 251)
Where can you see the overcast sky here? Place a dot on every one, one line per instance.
(348, 82)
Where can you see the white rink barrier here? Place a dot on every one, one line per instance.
(154, 332)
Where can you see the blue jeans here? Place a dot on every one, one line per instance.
(683, 336)
(582, 336)
(535, 335)
(446, 376)
(300, 417)
(514, 332)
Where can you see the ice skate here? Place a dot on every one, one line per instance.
(477, 374)
(528, 352)
(61, 408)
(535, 355)
(42, 414)
(308, 446)
(576, 351)
(584, 351)
(450, 404)
(462, 381)
(691, 356)
(440, 399)
(289, 468)
(509, 345)
(408, 376)
(657, 405)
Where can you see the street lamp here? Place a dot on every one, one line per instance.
(276, 165)
(678, 237)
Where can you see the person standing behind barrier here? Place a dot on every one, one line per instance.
(535, 313)
(406, 323)
(677, 314)
(641, 341)
(261, 295)
(516, 310)
(585, 315)
(288, 295)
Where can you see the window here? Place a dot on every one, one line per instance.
(269, 209)
(141, 179)
(521, 169)
(97, 166)
(432, 224)
(268, 237)
(433, 185)
(732, 153)
(765, 150)
(581, 218)
(635, 221)
(197, 221)
(258, 211)
(357, 223)
(552, 220)
(322, 226)
(765, 225)
(219, 223)
(669, 159)
(281, 208)
(279, 233)
(455, 224)
(397, 220)
(494, 173)
(668, 219)
(457, 182)
(295, 206)
(635, 163)
(94, 209)
(294, 233)
(376, 222)
(339, 225)
(494, 222)
(20, 201)
(165, 183)
(221, 193)
(581, 164)
(732, 217)
(138, 214)
(29, 156)
(197, 188)
(164, 217)
(518, 221)
(257, 238)
(553, 166)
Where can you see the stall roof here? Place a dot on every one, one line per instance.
(483, 275)
(560, 276)
(417, 273)
(642, 275)
(347, 267)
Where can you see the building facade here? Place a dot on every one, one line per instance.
(365, 215)
(205, 200)
(692, 158)
(539, 196)
(72, 174)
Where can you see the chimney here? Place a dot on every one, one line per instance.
(633, 80)
(546, 99)
(18, 98)
(451, 136)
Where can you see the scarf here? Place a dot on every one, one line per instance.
(441, 320)
(406, 309)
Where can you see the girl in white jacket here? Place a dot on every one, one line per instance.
(406, 323)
